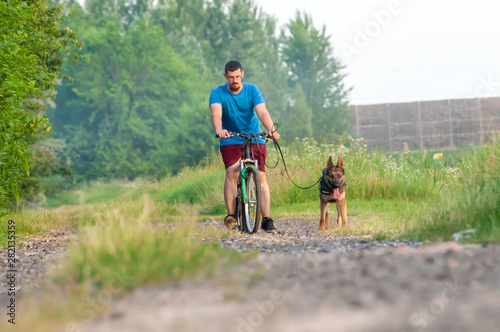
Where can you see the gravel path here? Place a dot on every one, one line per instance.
(438, 288)
(36, 257)
(306, 281)
(300, 236)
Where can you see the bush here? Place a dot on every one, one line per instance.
(49, 173)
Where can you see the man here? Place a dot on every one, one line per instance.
(235, 107)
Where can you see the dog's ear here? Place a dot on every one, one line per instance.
(340, 164)
(329, 164)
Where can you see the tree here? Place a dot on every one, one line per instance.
(308, 55)
(251, 39)
(31, 41)
(214, 32)
(298, 123)
(127, 11)
(136, 106)
(139, 107)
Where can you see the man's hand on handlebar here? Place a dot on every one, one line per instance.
(222, 133)
(275, 135)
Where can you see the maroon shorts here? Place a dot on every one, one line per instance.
(231, 153)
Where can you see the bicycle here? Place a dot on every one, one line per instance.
(248, 199)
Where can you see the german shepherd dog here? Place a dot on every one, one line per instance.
(332, 189)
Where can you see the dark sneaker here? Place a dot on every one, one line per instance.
(268, 226)
(230, 221)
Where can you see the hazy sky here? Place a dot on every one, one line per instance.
(409, 50)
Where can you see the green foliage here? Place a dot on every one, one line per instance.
(31, 44)
(214, 32)
(195, 190)
(49, 173)
(34, 223)
(403, 176)
(125, 11)
(139, 108)
(87, 193)
(375, 175)
(472, 203)
(249, 36)
(298, 124)
(64, 197)
(307, 52)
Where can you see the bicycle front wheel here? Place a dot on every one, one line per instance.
(252, 212)
(240, 212)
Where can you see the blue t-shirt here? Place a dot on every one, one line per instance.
(238, 114)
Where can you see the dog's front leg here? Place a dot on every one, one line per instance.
(344, 212)
(327, 217)
(324, 211)
(339, 212)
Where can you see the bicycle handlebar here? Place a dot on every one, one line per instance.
(266, 136)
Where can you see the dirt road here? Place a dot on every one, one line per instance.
(302, 281)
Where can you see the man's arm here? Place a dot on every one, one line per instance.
(216, 110)
(266, 120)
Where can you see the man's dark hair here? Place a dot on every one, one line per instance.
(233, 65)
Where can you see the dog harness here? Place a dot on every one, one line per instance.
(326, 187)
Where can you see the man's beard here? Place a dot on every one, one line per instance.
(234, 87)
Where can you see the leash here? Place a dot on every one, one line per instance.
(278, 150)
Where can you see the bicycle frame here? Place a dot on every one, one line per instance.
(244, 164)
(249, 167)
(247, 162)
(248, 209)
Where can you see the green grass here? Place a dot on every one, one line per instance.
(88, 193)
(34, 223)
(406, 194)
(375, 218)
(125, 242)
(126, 250)
(404, 175)
(63, 198)
(405, 179)
(472, 203)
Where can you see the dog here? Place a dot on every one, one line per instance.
(332, 187)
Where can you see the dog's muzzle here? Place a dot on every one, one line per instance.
(328, 188)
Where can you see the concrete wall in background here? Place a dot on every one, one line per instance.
(427, 124)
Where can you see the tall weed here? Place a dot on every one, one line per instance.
(473, 202)
(406, 175)
(370, 175)
(125, 250)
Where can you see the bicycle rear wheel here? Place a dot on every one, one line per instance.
(252, 211)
